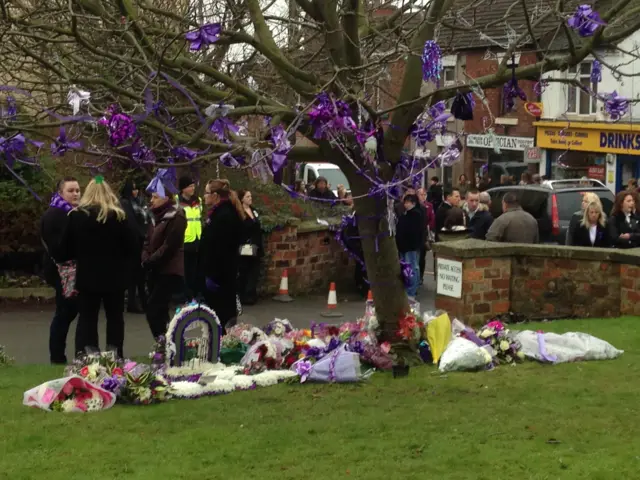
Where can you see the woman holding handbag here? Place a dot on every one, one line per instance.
(100, 240)
(251, 251)
(52, 227)
(219, 254)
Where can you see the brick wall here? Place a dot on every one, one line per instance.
(541, 281)
(312, 257)
(630, 289)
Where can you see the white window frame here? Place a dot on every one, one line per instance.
(449, 83)
(574, 73)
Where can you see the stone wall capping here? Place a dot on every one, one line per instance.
(472, 248)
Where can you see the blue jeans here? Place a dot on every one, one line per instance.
(412, 258)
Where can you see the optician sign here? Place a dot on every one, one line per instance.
(503, 142)
(588, 139)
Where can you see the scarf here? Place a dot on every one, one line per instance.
(58, 202)
(159, 212)
(214, 208)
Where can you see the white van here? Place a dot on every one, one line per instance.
(309, 172)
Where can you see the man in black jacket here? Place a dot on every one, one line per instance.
(451, 199)
(410, 238)
(52, 227)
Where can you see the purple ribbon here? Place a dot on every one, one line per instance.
(512, 90)
(332, 365)
(542, 347)
(426, 130)
(431, 62)
(615, 105)
(203, 36)
(585, 21)
(303, 369)
(62, 144)
(596, 72)
(165, 179)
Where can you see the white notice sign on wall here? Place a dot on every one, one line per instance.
(449, 278)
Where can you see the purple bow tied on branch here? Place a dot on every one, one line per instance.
(585, 21)
(512, 90)
(204, 36)
(120, 126)
(184, 153)
(165, 179)
(62, 144)
(13, 149)
(281, 147)
(426, 129)
(615, 105)
(328, 116)
(596, 72)
(431, 62)
(230, 161)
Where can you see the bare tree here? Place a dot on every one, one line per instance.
(271, 59)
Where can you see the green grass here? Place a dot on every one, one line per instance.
(526, 422)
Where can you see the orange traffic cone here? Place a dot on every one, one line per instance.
(332, 303)
(283, 292)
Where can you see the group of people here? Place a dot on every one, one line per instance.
(97, 246)
(590, 226)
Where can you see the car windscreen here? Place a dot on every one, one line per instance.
(334, 176)
(571, 202)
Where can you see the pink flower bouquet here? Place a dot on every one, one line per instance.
(69, 394)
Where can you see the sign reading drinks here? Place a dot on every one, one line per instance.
(589, 140)
(504, 143)
(449, 280)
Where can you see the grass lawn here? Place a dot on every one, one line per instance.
(526, 422)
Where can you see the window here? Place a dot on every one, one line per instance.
(581, 102)
(449, 80)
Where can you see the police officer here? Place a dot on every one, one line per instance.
(192, 206)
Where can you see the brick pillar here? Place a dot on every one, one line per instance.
(630, 290)
(485, 290)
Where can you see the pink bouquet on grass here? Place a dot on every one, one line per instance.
(69, 394)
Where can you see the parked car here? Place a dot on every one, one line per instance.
(309, 172)
(553, 203)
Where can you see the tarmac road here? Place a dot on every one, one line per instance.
(24, 331)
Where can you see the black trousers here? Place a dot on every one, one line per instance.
(89, 309)
(223, 302)
(137, 283)
(190, 273)
(248, 275)
(65, 314)
(162, 289)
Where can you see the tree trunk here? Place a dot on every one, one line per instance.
(381, 258)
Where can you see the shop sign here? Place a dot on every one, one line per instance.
(596, 172)
(588, 140)
(534, 108)
(503, 142)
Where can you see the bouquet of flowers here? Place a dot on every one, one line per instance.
(69, 394)
(247, 334)
(142, 386)
(507, 349)
(411, 331)
(101, 369)
(278, 327)
(266, 355)
(5, 359)
(299, 337)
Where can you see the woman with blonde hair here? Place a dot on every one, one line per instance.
(222, 238)
(100, 240)
(576, 218)
(592, 230)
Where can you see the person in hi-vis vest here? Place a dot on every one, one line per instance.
(192, 206)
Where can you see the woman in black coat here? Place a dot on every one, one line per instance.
(624, 223)
(52, 228)
(100, 241)
(138, 219)
(592, 230)
(251, 251)
(219, 253)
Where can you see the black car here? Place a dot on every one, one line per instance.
(553, 203)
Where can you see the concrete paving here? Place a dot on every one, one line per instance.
(24, 331)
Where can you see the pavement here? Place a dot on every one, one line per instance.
(24, 330)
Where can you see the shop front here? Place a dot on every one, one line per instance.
(504, 155)
(609, 152)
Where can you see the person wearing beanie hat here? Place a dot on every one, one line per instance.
(192, 206)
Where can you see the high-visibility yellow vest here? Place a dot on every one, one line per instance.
(194, 223)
